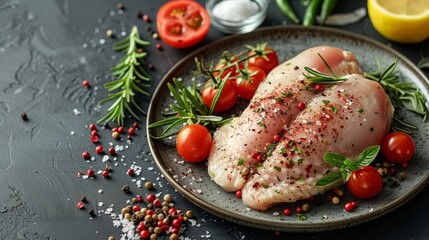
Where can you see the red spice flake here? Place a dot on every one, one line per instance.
(90, 173)
(112, 151)
(92, 127)
(277, 138)
(105, 173)
(95, 139)
(157, 202)
(85, 83)
(99, 149)
(260, 158)
(255, 155)
(146, 18)
(320, 87)
(131, 131)
(150, 198)
(79, 174)
(94, 133)
(85, 155)
(287, 212)
(238, 193)
(136, 208)
(256, 185)
(80, 205)
(24, 116)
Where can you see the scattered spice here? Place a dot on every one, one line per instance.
(148, 185)
(91, 213)
(158, 46)
(126, 189)
(24, 116)
(115, 135)
(86, 155)
(99, 149)
(80, 205)
(85, 83)
(109, 33)
(120, 6)
(146, 18)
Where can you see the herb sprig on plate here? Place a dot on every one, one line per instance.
(131, 80)
(346, 166)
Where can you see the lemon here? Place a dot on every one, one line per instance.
(404, 21)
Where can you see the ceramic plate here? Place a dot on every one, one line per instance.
(193, 182)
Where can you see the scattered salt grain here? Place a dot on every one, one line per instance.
(100, 191)
(100, 204)
(76, 112)
(105, 158)
(72, 133)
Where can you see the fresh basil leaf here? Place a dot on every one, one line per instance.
(367, 156)
(335, 159)
(328, 179)
(346, 173)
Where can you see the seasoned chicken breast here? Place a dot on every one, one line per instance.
(271, 111)
(345, 118)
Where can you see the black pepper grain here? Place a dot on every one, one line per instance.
(24, 116)
(126, 189)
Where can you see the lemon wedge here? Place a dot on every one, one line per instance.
(404, 21)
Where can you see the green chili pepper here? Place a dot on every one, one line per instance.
(327, 8)
(287, 10)
(311, 11)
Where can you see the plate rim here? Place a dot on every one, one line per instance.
(264, 224)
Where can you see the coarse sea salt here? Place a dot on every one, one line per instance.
(235, 10)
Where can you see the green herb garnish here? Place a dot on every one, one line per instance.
(316, 77)
(130, 75)
(346, 165)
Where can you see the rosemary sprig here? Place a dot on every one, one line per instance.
(405, 93)
(317, 77)
(189, 108)
(130, 77)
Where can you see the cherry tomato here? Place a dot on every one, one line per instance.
(223, 62)
(227, 99)
(266, 65)
(193, 143)
(182, 23)
(398, 147)
(247, 88)
(365, 183)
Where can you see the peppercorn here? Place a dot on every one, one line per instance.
(301, 106)
(24, 116)
(121, 129)
(305, 207)
(83, 199)
(238, 193)
(112, 151)
(125, 210)
(335, 200)
(148, 185)
(135, 124)
(148, 218)
(339, 192)
(91, 213)
(189, 214)
(144, 234)
(151, 67)
(146, 18)
(168, 198)
(157, 230)
(111, 238)
(95, 139)
(134, 200)
(99, 149)
(153, 236)
(174, 236)
(348, 207)
(115, 135)
(85, 155)
(155, 35)
(80, 205)
(127, 216)
(85, 83)
(126, 189)
(158, 46)
(287, 212)
(90, 173)
(130, 172)
(105, 174)
(109, 33)
(131, 131)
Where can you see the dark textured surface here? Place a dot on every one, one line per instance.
(47, 48)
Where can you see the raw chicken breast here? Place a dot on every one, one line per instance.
(270, 112)
(346, 119)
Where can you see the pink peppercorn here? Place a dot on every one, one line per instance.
(121, 129)
(130, 172)
(99, 149)
(287, 212)
(85, 83)
(85, 155)
(238, 193)
(301, 106)
(131, 131)
(112, 150)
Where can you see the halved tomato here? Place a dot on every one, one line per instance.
(182, 23)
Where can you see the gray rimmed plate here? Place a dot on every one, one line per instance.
(193, 182)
